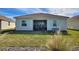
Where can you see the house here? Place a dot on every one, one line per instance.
(6, 23)
(73, 22)
(41, 22)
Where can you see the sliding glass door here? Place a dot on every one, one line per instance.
(40, 25)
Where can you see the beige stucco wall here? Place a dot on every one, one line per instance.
(4, 25)
(61, 23)
(73, 23)
(0, 24)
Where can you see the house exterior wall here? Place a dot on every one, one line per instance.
(73, 24)
(0, 24)
(4, 25)
(29, 26)
(61, 23)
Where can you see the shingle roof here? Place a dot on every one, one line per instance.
(75, 17)
(46, 14)
(4, 18)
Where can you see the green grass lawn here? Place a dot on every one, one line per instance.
(28, 39)
(31, 39)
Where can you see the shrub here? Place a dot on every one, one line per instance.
(64, 32)
(58, 43)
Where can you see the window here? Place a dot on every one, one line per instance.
(9, 23)
(24, 23)
(54, 23)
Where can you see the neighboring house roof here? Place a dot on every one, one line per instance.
(75, 17)
(4, 18)
(44, 14)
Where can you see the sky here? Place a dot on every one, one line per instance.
(13, 12)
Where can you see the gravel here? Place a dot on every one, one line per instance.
(23, 49)
(75, 48)
(30, 49)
